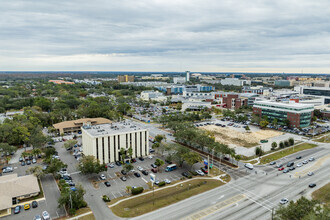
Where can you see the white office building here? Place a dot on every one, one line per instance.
(179, 80)
(187, 76)
(153, 96)
(105, 141)
(235, 82)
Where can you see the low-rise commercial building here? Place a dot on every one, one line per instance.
(14, 188)
(74, 126)
(315, 91)
(298, 115)
(125, 78)
(257, 90)
(153, 96)
(235, 82)
(105, 141)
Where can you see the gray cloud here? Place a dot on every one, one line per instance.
(160, 35)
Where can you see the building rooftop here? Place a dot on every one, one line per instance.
(112, 128)
(78, 123)
(13, 186)
(284, 105)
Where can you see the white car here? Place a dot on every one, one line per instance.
(111, 165)
(102, 177)
(167, 181)
(305, 162)
(199, 172)
(149, 157)
(284, 201)
(299, 165)
(139, 168)
(45, 215)
(311, 159)
(310, 173)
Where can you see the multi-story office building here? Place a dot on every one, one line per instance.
(315, 91)
(235, 82)
(299, 115)
(257, 90)
(125, 78)
(105, 141)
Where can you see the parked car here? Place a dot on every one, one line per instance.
(311, 159)
(123, 172)
(154, 170)
(279, 165)
(111, 165)
(312, 185)
(133, 160)
(292, 168)
(118, 163)
(305, 162)
(149, 157)
(199, 172)
(145, 172)
(139, 168)
(298, 157)
(310, 173)
(137, 174)
(290, 164)
(107, 183)
(185, 174)
(167, 181)
(123, 178)
(26, 206)
(281, 168)
(299, 165)
(17, 209)
(102, 177)
(272, 163)
(28, 162)
(286, 170)
(204, 170)
(153, 165)
(22, 163)
(34, 204)
(141, 158)
(37, 217)
(34, 161)
(45, 215)
(20, 159)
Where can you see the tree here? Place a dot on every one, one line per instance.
(274, 122)
(69, 144)
(281, 144)
(159, 163)
(36, 152)
(7, 149)
(291, 141)
(258, 151)
(302, 209)
(192, 157)
(130, 152)
(122, 153)
(286, 143)
(274, 145)
(37, 171)
(72, 198)
(37, 139)
(55, 166)
(247, 128)
(287, 122)
(179, 156)
(89, 164)
(159, 138)
(264, 123)
(128, 167)
(128, 189)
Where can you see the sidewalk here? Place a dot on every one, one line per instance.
(17, 155)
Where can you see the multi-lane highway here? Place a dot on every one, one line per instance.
(254, 195)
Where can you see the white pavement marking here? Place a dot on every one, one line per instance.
(120, 193)
(75, 172)
(113, 194)
(109, 175)
(144, 180)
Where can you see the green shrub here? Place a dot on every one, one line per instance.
(72, 211)
(161, 184)
(189, 176)
(291, 141)
(137, 190)
(193, 173)
(286, 143)
(281, 144)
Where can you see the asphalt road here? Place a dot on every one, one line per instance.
(252, 196)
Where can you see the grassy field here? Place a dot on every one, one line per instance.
(325, 139)
(143, 204)
(87, 217)
(286, 152)
(323, 194)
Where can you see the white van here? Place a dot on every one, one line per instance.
(249, 166)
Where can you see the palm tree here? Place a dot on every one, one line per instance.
(37, 171)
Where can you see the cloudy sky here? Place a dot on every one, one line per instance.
(165, 35)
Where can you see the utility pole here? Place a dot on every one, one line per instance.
(208, 165)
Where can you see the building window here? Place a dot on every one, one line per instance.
(141, 143)
(114, 147)
(97, 148)
(146, 142)
(109, 148)
(118, 142)
(136, 154)
(126, 141)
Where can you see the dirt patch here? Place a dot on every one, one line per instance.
(233, 137)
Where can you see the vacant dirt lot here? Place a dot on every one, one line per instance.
(233, 137)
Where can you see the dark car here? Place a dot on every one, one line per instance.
(204, 170)
(290, 164)
(107, 184)
(20, 159)
(298, 157)
(312, 185)
(141, 158)
(153, 165)
(137, 174)
(272, 163)
(123, 172)
(17, 209)
(22, 163)
(67, 177)
(145, 172)
(154, 170)
(292, 168)
(286, 170)
(185, 174)
(34, 204)
(133, 160)
(69, 148)
(28, 162)
(118, 163)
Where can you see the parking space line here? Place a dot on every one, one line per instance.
(144, 180)
(120, 193)
(113, 194)
(109, 175)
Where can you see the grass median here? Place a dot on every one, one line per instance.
(147, 203)
(324, 139)
(323, 194)
(286, 152)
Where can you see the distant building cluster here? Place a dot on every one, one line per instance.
(125, 78)
(59, 82)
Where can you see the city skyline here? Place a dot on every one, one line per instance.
(201, 36)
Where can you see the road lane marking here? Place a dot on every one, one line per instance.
(214, 208)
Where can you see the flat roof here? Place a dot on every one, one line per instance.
(112, 129)
(281, 104)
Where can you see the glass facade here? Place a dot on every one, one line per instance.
(317, 92)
